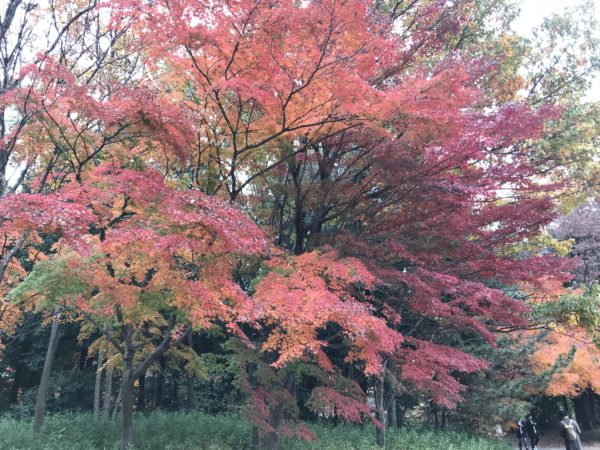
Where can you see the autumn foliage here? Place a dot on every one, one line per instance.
(341, 191)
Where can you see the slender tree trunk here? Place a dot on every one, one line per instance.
(117, 404)
(16, 384)
(270, 440)
(175, 392)
(299, 230)
(393, 422)
(160, 383)
(141, 401)
(191, 393)
(98, 383)
(83, 356)
(380, 411)
(444, 422)
(42, 393)
(351, 371)
(127, 401)
(435, 416)
(107, 393)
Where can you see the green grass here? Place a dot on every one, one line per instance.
(171, 431)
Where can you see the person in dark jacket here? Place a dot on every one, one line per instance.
(522, 435)
(533, 432)
(569, 430)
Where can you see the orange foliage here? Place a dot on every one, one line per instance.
(583, 371)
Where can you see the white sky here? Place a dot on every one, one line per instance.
(532, 13)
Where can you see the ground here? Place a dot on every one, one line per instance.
(552, 441)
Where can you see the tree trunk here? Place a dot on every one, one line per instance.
(83, 356)
(380, 411)
(435, 416)
(175, 392)
(107, 393)
(393, 422)
(270, 440)
(42, 393)
(117, 404)
(98, 383)
(127, 401)
(16, 384)
(160, 383)
(141, 401)
(299, 231)
(444, 422)
(191, 393)
(351, 371)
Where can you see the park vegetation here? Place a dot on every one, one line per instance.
(297, 213)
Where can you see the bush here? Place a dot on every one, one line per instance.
(68, 390)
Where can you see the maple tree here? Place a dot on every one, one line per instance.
(388, 146)
(139, 260)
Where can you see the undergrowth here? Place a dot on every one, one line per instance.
(194, 431)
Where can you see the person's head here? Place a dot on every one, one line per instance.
(520, 422)
(564, 413)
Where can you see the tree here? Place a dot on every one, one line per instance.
(580, 226)
(142, 262)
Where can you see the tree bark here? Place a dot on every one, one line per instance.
(141, 400)
(117, 404)
(127, 401)
(435, 416)
(16, 384)
(174, 403)
(380, 411)
(160, 383)
(270, 440)
(42, 393)
(444, 422)
(393, 422)
(98, 383)
(107, 393)
(83, 356)
(191, 393)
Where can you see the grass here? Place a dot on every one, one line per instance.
(195, 431)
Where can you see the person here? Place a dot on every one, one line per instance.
(522, 435)
(532, 432)
(569, 430)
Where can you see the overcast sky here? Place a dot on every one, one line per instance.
(532, 13)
